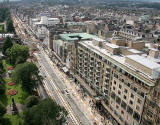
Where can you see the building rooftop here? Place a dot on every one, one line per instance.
(75, 23)
(120, 60)
(112, 45)
(135, 51)
(75, 36)
(144, 61)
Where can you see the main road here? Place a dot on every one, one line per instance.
(56, 89)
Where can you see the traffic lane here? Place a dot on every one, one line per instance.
(51, 88)
(68, 118)
(80, 114)
(43, 92)
(70, 101)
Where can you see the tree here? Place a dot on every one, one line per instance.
(47, 112)
(7, 44)
(2, 89)
(27, 74)
(2, 110)
(17, 54)
(10, 27)
(31, 101)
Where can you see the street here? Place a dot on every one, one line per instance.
(55, 84)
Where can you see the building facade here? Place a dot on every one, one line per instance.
(122, 84)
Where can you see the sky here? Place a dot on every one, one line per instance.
(132, 0)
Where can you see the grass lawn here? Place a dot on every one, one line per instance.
(18, 98)
(13, 119)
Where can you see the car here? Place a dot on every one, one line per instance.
(62, 91)
(66, 91)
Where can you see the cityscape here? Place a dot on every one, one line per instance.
(80, 62)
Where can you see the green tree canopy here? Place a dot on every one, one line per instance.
(7, 44)
(27, 74)
(4, 12)
(47, 112)
(17, 54)
(2, 89)
(2, 110)
(31, 101)
(10, 27)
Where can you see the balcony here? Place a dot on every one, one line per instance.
(97, 76)
(80, 57)
(98, 70)
(91, 64)
(98, 65)
(85, 69)
(80, 51)
(107, 78)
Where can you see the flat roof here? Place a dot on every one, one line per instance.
(75, 23)
(119, 59)
(99, 39)
(134, 51)
(74, 36)
(111, 45)
(144, 61)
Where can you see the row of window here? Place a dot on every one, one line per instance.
(129, 85)
(125, 106)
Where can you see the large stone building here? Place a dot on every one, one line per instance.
(124, 82)
(62, 45)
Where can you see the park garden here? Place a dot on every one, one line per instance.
(19, 80)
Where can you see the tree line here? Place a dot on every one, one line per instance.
(6, 16)
(38, 112)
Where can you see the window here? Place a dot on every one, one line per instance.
(113, 95)
(117, 107)
(126, 123)
(132, 96)
(122, 112)
(120, 86)
(131, 102)
(142, 94)
(115, 75)
(129, 110)
(123, 105)
(118, 100)
(134, 123)
(122, 80)
(136, 116)
(115, 113)
(115, 82)
(128, 84)
(125, 97)
(119, 92)
(121, 118)
(139, 101)
(135, 89)
(111, 108)
(114, 88)
(125, 90)
(137, 108)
